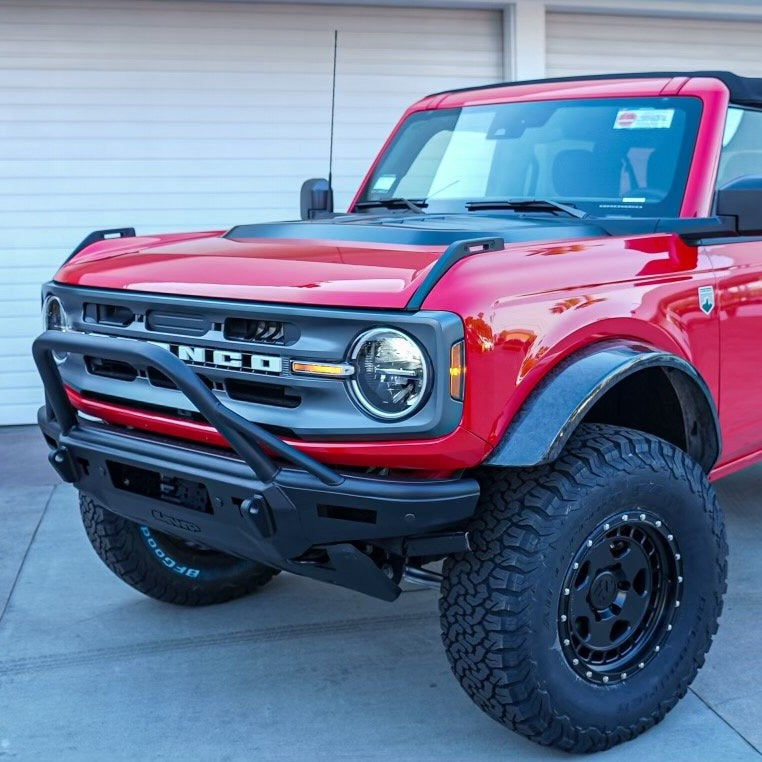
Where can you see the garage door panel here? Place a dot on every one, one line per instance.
(224, 98)
(22, 413)
(17, 349)
(162, 113)
(171, 115)
(258, 169)
(600, 43)
(11, 381)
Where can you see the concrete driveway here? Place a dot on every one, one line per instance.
(90, 669)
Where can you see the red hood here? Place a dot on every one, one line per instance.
(296, 271)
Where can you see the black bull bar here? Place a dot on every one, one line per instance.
(272, 503)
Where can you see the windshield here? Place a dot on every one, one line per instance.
(620, 157)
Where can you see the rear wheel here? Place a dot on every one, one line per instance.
(166, 567)
(592, 591)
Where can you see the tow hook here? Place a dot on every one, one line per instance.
(64, 464)
(257, 509)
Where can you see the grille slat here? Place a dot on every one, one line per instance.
(120, 371)
(261, 331)
(178, 323)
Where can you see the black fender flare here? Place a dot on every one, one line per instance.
(548, 417)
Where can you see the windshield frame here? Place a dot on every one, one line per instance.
(670, 205)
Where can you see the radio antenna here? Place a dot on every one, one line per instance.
(333, 111)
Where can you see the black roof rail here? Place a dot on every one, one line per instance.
(745, 91)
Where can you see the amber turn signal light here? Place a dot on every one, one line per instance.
(332, 370)
(458, 370)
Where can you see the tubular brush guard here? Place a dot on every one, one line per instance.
(271, 504)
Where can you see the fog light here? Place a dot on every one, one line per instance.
(54, 318)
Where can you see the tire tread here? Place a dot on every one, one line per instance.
(520, 515)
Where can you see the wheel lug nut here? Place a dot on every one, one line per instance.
(657, 649)
(575, 565)
(563, 617)
(605, 678)
(642, 516)
(657, 524)
(588, 674)
(623, 675)
(625, 517)
(566, 641)
(641, 665)
(567, 591)
(677, 604)
(575, 662)
(677, 556)
(670, 537)
(606, 527)
(679, 579)
(669, 628)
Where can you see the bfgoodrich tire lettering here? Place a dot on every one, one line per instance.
(165, 567)
(502, 602)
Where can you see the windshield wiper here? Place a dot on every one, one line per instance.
(527, 205)
(416, 205)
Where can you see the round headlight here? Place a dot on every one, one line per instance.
(391, 378)
(54, 319)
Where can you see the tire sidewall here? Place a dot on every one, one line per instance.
(188, 564)
(164, 567)
(663, 678)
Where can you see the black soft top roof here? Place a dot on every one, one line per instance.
(743, 90)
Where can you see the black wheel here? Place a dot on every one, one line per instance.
(165, 567)
(591, 593)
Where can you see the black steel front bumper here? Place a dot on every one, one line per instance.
(272, 503)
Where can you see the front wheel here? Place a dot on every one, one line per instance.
(591, 593)
(166, 567)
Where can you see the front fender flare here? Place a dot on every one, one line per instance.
(552, 412)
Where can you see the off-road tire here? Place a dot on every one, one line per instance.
(164, 567)
(500, 602)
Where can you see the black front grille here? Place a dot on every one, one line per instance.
(121, 371)
(107, 314)
(264, 394)
(261, 331)
(157, 378)
(179, 323)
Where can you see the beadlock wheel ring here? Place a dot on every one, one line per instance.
(620, 597)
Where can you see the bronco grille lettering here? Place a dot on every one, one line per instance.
(224, 358)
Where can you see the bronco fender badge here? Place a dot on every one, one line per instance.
(706, 299)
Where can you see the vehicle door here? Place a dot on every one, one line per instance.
(738, 265)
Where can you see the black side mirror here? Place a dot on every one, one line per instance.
(316, 199)
(742, 199)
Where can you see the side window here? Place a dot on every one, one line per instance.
(741, 145)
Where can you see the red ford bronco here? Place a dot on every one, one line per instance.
(525, 350)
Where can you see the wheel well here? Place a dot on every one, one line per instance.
(664, 402)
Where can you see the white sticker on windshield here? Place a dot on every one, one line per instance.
(384, 183)
(644, 118)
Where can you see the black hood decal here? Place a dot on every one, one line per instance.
(421, 230)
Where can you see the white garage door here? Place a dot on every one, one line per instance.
(597, 44)
(168, 115)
